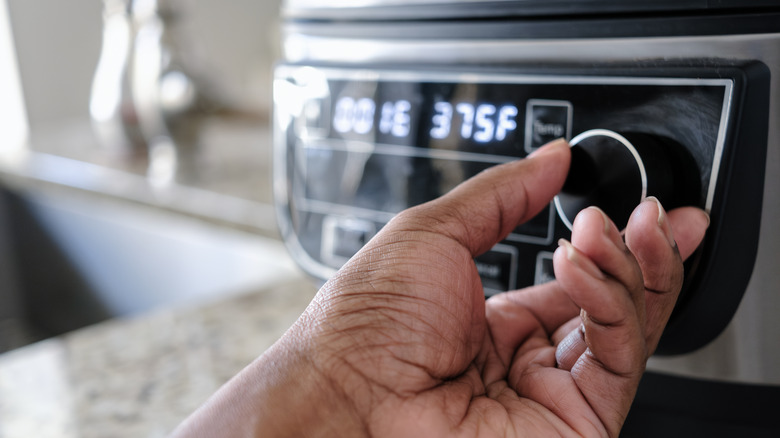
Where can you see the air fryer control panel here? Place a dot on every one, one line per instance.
(356, 146)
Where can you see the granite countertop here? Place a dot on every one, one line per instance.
(140, 377)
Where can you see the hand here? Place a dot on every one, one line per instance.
(402, 343)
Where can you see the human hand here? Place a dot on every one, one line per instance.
(400, 342)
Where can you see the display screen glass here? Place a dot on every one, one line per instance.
(396, 142)
(469, 117)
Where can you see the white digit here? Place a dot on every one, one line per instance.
(506, 121)
(467, 110)
(442, 120)
(363, 119)
(401, 119)
(486, 125)
(386, 121)
(342, 119)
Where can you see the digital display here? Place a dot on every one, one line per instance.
(482, 122)
(480, 118)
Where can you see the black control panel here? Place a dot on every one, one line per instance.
(354, 147)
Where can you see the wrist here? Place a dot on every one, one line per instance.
(298, 399)
(282, 393)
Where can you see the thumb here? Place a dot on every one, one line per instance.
(483, 210)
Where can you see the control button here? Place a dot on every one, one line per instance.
(343, 237)
(617, 171)
(308, 87)
(545, 121)
(497, 269)
(315, 118)
(544, 268)
(538, 230)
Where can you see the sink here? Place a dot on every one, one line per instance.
(73, 259)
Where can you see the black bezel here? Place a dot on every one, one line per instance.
(673, 407)
(723, 267)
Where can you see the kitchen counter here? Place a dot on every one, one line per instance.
(139, 377)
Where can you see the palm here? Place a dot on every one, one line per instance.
(497, 392)
(465, 372)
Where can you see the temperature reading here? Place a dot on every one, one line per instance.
(483, 123)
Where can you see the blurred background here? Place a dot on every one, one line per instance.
(134, 159)
(58, 45)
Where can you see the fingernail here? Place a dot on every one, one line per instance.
(707, 216)
(551, 146)
(663, 222)
(604, 217)
(613, 237)
(582, 262)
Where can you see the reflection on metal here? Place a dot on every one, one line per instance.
(145, 99)
(111, 105)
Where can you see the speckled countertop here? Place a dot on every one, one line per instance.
(140, 377)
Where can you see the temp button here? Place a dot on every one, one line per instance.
(545, 121)
(343, 237)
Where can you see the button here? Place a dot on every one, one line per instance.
(538, 230)
(314, 119)
(544, 268)
(497, 269)
(343, 237)
(545, 121)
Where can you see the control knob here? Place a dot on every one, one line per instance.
(616, 171)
